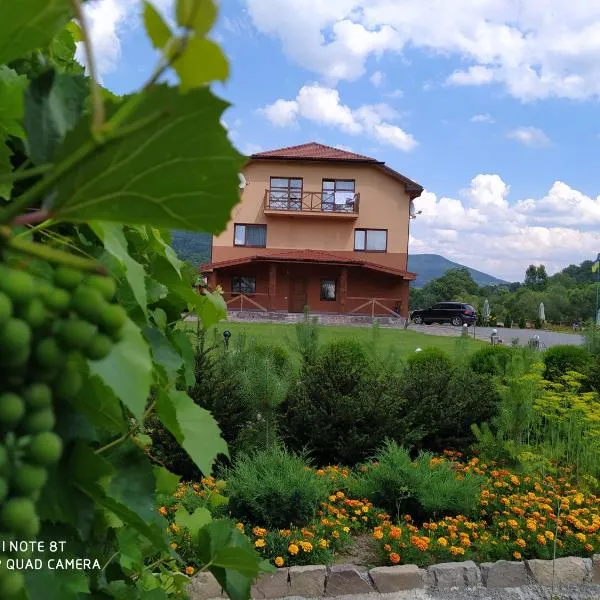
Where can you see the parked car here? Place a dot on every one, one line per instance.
(456, 313)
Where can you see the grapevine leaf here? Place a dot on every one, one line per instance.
(115, 243)
(198, 15)
(158, 31)
(30, 24)
(183, 343)
(202, 61)
(12, 105)
(163, 352)
(179, 172)
(5, 169)
(193, 522)
(130, 551)
(64, 584)
(156, 291)
(99, 404)
(63, 48)
(166, 482)
(156, 241)
(53, 105)
(159, 316)
(193, 427)
(127, 370)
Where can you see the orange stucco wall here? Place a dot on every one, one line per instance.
(384, 204)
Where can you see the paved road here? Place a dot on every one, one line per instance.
(547, 338)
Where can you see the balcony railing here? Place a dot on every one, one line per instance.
(346, 203)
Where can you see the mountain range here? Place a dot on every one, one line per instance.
(195, 249)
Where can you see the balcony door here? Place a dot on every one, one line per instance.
(338, 195)
(285, 193)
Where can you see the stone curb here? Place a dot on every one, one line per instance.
(316, 581)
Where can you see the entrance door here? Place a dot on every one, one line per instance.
(297, 295)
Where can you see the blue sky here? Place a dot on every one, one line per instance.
(493, 109)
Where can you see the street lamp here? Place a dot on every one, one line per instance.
(226, 336)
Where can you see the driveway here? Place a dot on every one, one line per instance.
(547, 338)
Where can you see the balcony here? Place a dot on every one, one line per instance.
(298, 203)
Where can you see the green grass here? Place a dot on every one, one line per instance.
(404, 342)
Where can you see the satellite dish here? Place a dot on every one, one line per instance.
(411, 209)
(243, 182)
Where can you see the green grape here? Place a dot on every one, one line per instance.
(39, 421)
(57, 299)
(19, 285)
(48, 353)
(68, 384)
(3, 489)
(67, 278)
(35, 313)
(99, 347)
(105, 285)
(17, 359)
(11, 583)
(12, 409)
(45, 448)
(76, 334)
(113, 318)
(6, 308)
(15, 335)
(38, 395)
(29, 479)
(19, 516)
(89, 304)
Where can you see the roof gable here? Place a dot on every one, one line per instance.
(313, 151)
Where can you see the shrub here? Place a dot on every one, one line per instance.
(522, 323)
(423, 488)
(560, 359)
(508, 320)
(274, 488)
(491, 360)
(538, 323)
(343, 406)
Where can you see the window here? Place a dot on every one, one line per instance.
(328, 289)
(243, 285)
(338, 195)
(250, 235)
(285, 193)
(370, 240)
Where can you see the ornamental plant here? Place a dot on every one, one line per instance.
(90, 296)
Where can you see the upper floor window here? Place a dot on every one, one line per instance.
(338, 195)
(370, 240)
(285, 193)
(250, 235)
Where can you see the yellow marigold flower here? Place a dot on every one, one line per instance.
(394, 558)
(541, 539)
(306, 546)
(531, 525)
(339, 495)
(346, 529)
(365, 509)
(163, 511)
(259, 531)
(378, 534)
(260, 543)
(517, 555)
(285, 532)
(512, 523)
(549, 535)
(455, 550)
(319, 472)
(279, 561)
(588, 547)
(515, 480)
(240, 526)
(335, 533)
(293, 549)
(323, 543)
(580, 537)
(465, 541)
(332, 498)
(521, 542)
(174, 527)
(189, 570)
(442, 541)
(174, 546)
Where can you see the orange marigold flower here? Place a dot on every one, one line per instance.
(163, 511)
(260, 543)
(442, 541)
(541, 539)
(279, 561)
(339, 495)
(395, 532)
(293, 549)
(455, 550)
(319, 472)
(174, 546)
(189, 570)
(588, 547)
(240, 526)
(394, 558)
(517, 555)
(259, 531)
(335, 533)
(387, 547)
(521, 542)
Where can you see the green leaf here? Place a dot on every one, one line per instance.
(12, 104)
(166, 482)
(184, 344)
(64, 584)
(198, 15)
(30, 24)
(179, 173)
(159, 316)
(63, 48)
(158, 31)
(193, 522)
(163, 351)
(115, 243)
(193, 427)
(157, 242)
(201, 63)
(53, 105)
(156, 291)
(127, 370)
(5, 169)
(100, 405)
(130, 552)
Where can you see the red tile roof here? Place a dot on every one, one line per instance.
(320, 152)
(314, 151)
(314, 256)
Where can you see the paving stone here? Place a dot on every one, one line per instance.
(504, 574)
(204, 586)
(397, 578)
(308, 581)
(455, 574)
(570, 569)
(347, 579)
(271, 585)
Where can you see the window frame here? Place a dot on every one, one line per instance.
(240, 291)
(366, 230)
(334, 299)
(245, 245)
(333, 191)
(291, 205)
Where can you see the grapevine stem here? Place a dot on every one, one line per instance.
(109, 561)
(25, 173)
(97, 104)
(32, 218)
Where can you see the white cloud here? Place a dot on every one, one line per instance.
(482, 229)
(250, 148)
(397, 94)
(482, 118)
(323, 105)
(377, 78)
(529, 136)
(535, 50)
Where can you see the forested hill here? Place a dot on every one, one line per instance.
(194, 248)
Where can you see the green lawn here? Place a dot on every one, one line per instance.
(403, 341)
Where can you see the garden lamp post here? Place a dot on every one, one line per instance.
(226, 336)
(494, 337)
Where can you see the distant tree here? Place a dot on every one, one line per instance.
(536, 278)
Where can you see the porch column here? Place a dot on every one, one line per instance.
(272, 284)
(211, 280)
(343, 289)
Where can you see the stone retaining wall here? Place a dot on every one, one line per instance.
(491, 579)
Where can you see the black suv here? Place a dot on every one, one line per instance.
(455, 313)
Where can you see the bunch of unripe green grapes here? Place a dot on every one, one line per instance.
(46, 328)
